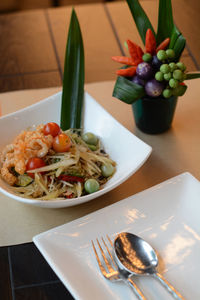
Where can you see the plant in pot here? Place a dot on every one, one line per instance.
(153, 79)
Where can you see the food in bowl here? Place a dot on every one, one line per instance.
(48, 163)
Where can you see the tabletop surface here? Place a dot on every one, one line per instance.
(32, 47)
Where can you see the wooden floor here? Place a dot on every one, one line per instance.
(32, 42)
(18, 5)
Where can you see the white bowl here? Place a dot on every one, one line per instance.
(128, 151)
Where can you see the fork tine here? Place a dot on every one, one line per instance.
(108, 265)
(103, 271)
(113, 274)
(111, 243)
(110, 254)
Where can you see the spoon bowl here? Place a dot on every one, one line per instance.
(135, 254)
(137, 257)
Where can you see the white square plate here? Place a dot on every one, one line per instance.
(128, 151)
(166, 216)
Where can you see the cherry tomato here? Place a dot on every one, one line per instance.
(34, 163)
(61, 143)
(51, 128)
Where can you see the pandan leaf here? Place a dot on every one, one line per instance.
(181, 89)
(174, 35)
(127, 91)
(177, 42)
(141, 20)
(74, 76)
(165, 21)
(179, 46)
(192, 76)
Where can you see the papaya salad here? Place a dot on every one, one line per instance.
(48, 163)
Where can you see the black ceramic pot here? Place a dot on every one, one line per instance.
(154, 115)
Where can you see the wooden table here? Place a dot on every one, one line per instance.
(32, 47)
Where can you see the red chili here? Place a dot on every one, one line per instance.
(70, 178)
(123, 60)
(129, 72)
(163, 45)
(135, 52)
(150, 42)
(69, 196)
(140, 52)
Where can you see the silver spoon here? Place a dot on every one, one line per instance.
(139, 258)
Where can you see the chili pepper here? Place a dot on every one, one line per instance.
(182, 83)
(163, 45)
(150, 42)
(135, 52)
(70, 178)
(129, 72)
(123, 60)
(140, 52)
(69, 196)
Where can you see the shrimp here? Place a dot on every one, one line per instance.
(26, 145)
(8, 149)
(19, 157)
(40, 143)
(40, 147)
(5, 170)
(20, 137)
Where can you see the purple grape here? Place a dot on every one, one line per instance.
(154, 88)
(144, 70)
(138, 80)
(156, 63)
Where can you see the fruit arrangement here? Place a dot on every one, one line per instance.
(157, 71)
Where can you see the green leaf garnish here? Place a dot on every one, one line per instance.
(179, 46)
(74, 76)
(167, 28)
(127, 91)
(180, 90)
(141, 20)
(192, 76)
(174, 35)
(165, 21)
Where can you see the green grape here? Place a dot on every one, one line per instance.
(173, 83)
(181, 66)
(90, 138)
(170, 53)
(178, 75)
(159, 76)
(167, 76)
(167, 93)
(147, 57)
(161, 55)
(164, 68)
(91, 186)
(107, 170)
(172, 66)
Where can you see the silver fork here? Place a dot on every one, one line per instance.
(110, 271)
